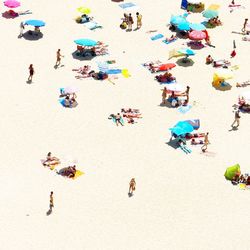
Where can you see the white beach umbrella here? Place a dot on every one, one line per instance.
(176, 87)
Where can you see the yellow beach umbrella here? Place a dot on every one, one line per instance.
(174, 53)
(213, 7)
(84, 10)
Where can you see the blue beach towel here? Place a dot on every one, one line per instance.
(156, 37)
(126, 5)
(61, 101)
(167, 42)
(114, 71)
(184, 109)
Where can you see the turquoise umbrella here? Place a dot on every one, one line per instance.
(86, 42)
(186, 51)
(185, 26)
(36, 23)
(210, 13)
(197, 26)
(175, 20)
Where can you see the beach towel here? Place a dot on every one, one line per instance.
(168, 42)
(184, 109)
(61, 101)
(127, 5)
(113, 71)
(156, 37)
(125, 73)
(92, 25)
(242, 186)
(77, 174)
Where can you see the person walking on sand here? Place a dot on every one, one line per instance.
(244, 25)
(51, 201)
(132, 185)
(139, 18)
(164, 95)
(31, 72)
(206, 142)
(21, 29)
(236, 119)
(130, 22)
(58, 57)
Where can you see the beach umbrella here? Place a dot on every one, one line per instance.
(174, 53)
(197, 26)
(232, 171)
(224, 74)
(196, 35)
(12, 3)
(35, 23)
(84, 10)
(186, 51)
(166, 66)
(182, 128)
(184, 26)
(86, 42)
(175, 20)
(210, 13)
(176, 87)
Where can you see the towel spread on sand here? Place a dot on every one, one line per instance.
(127, 5)
(156, 37)
(92, 25)
(77, 174)
(168, 42)
(184, 109)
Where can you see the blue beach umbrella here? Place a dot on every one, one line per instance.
(175, 20)
(36, 23)
(210, 13)
(182, 128)
(184, 26)
(186, 51)
(197, 26)
(86, 42)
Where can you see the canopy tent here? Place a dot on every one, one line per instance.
(182, 128)
(176, 87)
(232, 171)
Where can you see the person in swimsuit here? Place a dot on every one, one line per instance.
(132, 186)
(51, 160)
(130, 22)
(164, 95)
(31, 71)
(206, 142)
(139, 18)
(58, 57)
(51, 201)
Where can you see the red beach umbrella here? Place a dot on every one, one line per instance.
(196, 35)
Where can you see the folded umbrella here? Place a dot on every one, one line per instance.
(86, 42)
(36, 23)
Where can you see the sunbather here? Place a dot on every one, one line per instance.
(51, 160)
(209, 59)
(172, 38)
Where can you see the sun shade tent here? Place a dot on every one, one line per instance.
(182, 128)
(86, 42)
(35, 23)
(232, 171)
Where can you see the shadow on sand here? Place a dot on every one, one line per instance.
(32, 36)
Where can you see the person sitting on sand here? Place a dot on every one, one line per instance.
(71, 171)
(209, 59)
(172, 38)
(51, 160)
(37, 29)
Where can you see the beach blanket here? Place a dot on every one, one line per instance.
(127, 5)
(92, 25)
(184, 109)
(77, 174)
(156, 37)
(113, 71)
(168, 42)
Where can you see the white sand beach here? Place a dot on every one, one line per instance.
(181, 201)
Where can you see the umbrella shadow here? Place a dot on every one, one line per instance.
(76, 55)
(195, 46)
(224, 88)
(7, 15)
(32, 36)
(167, 105)
(172, 143)
(185, 63)
(49, 212)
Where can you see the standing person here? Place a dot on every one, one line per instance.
(244, 25)
(31, 72)
(164, 95)
(58, 57)
(21, 29)
(130, 22)
(206, 142)
(139, 18)
(51, 201)
(132, 185)
(236, 119)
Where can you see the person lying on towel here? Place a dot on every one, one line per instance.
(51, 160)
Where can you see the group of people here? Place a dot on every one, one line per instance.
(69, 172)
(215, 21)
(166, 77)
(128, 21)
(240, 178)
(174, 97)
(131, 115)
(69, 100)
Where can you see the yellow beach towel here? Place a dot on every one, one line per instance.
(78, 173)
(242, 186)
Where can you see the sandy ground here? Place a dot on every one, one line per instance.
(181, 202)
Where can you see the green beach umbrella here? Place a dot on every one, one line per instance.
(231, 171)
